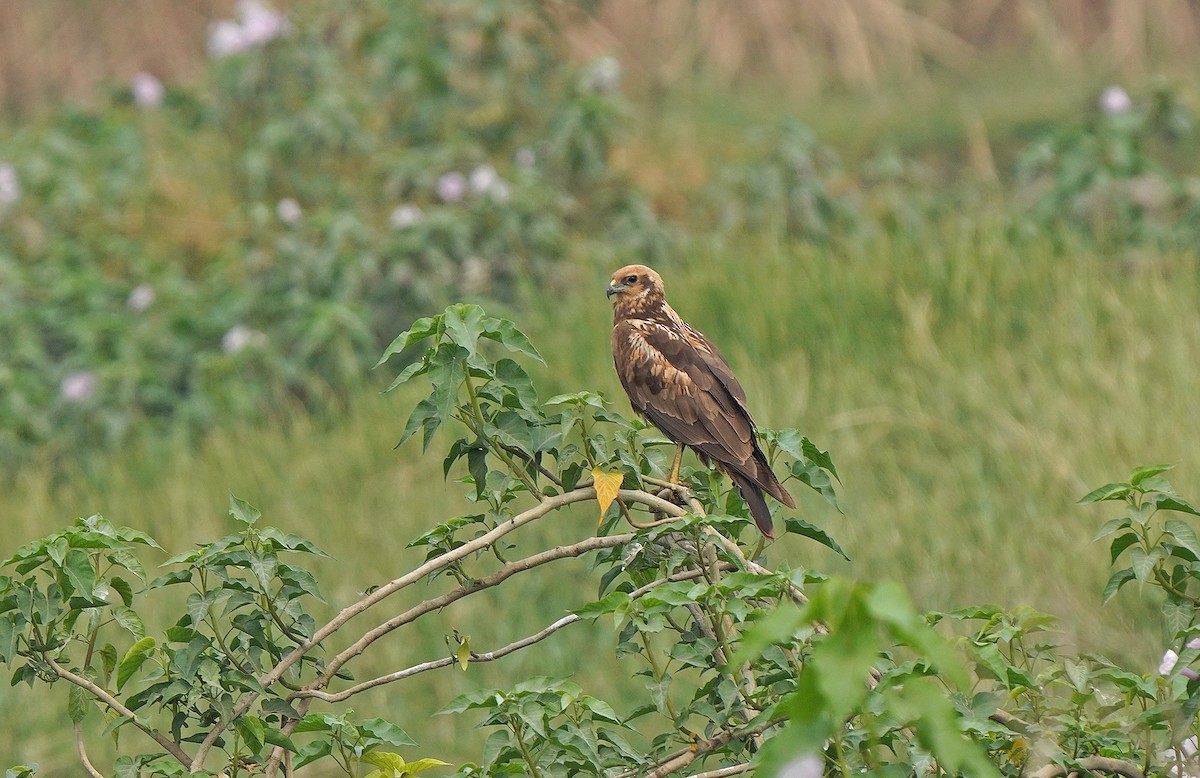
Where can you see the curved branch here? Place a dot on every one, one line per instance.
(170, 745)
(736, 769)
(489, 656)
(83, 757)
(446, 661)
(472, 587)
(1096, 764)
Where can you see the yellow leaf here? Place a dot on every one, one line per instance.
(607, 486)
(464, 651)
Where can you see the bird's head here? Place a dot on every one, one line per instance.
(635, 285)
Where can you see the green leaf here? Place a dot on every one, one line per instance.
(1121, 543)
(1140, 474)
(122, 587)
(1166, 502)
(420, 367)
(253, 731)
(1184, 535)
(78, 569)
(1143, 561)
(133, 660)
(1111, 526)
(387, 732)
(1115, 582)
(464, 324)
(130, 620)
(808, 530)
(78, 703)
(243, 511)
(423, 416)
(420, 329)
(822, 458)
(276, 738)
(1113, 491)
(506, 334)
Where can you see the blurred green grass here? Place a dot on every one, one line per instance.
(970, 387)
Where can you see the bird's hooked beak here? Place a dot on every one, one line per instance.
(612, 290)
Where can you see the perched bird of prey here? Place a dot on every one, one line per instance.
(677, 380)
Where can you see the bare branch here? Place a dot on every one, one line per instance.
(170, 745)
(83, 757)
(472, 587)
(489, 656)
(1096, 764)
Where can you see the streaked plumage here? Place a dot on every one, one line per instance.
(677, 380)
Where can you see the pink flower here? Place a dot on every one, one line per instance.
(261, 24)
(1114, 101)
(225, 39)
(78, 386)
(147, 90)
(452, 187)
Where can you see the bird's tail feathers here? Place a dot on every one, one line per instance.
(753, 496)
(769, 483)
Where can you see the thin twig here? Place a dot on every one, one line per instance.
(737, 769)
(446, 661)
(82, 749)
(170, 745)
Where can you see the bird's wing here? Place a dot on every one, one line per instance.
(686, 389)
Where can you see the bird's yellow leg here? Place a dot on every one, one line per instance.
(675, 465)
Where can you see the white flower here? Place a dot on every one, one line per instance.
(525, 157)
(78, 386)
(807, 766)
(486, 181)
(1114, 101)
(141, 298)
(260, 23)
(288, 210)
(225, 39)
(404, 216)
(10, 185)
(452, 187)
(147, 90)
(605, 74)
(1194, 643)
(240, 337)
(1168, 662)
(483, 178)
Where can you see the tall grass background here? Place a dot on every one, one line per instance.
(970, 384)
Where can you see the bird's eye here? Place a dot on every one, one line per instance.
(631, 279)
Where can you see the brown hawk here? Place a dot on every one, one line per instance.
(677, 380)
